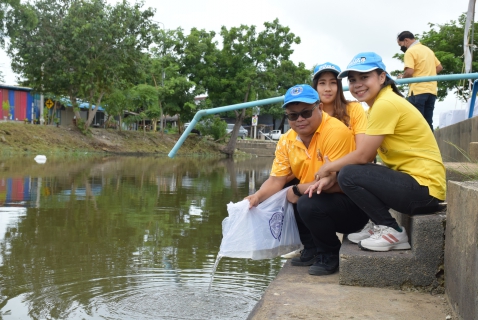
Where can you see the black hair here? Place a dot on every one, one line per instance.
(340, 105)
(405, 35)
(389, 82)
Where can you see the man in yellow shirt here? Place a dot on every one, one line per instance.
(420, 61)
(300, 152)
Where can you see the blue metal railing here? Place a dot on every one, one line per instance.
(473, 99)
(201, 113)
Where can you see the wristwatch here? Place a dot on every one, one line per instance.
(296, 190)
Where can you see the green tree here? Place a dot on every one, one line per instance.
(175, 90)
(12, 14)
(243, 66)
(446, 40)
(82, 48)
(145, 98)
(213, 126)
(116, 103)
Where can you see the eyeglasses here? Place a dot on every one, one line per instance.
(304, 114)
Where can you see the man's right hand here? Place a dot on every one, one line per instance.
(253, 200)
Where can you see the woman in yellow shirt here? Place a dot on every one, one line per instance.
(412, 178)
(331, 94)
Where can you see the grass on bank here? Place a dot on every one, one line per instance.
(17, 137)
(463, 170)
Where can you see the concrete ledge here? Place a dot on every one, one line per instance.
(257, 147)
(461, 248)
(473, 151)
(420, 268)
(294, 294)
(459, 135)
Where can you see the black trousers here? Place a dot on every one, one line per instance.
(321, 216)
(377, 188)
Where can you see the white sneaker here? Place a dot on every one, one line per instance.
(366, 232)
(385, 238)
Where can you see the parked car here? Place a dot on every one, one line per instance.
(194, 130)
(242, 132)
(274, 134)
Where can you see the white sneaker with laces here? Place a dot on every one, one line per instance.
(385, 238)
(365, 233)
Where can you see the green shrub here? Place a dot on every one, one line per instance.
(212, 126)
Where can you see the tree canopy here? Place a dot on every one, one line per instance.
(82, 49)
(244, 68)
(91, 51)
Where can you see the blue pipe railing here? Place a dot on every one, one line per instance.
(473, 99)
(201, 113)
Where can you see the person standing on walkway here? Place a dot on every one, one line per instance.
(300, 152)
(420, 61)
(412, 179)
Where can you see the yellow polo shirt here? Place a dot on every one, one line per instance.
(409, 145)
(332, 138)
(422, 60)
(358, 117)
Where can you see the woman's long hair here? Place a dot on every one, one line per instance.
(389, 82)
(340, 103)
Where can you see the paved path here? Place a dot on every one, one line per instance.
(295, 294)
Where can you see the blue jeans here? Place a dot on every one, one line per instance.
(376, 188)
(425, 103)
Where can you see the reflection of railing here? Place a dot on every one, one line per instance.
(201, 113)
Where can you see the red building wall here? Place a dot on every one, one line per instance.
(3, 97)
(20, 105)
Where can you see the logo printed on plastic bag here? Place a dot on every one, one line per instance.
(275, 224)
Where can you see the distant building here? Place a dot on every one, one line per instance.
(23, 104)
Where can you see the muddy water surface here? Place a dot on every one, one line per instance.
(124, 238)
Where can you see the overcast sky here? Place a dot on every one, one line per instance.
(331, 30)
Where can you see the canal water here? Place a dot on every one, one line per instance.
(125, 238)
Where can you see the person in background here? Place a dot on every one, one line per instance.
(412, 179)
(300, 152)
(420, 61)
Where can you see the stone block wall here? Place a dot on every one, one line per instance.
(461, 135)
(461, 248)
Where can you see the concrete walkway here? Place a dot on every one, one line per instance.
(294, 294)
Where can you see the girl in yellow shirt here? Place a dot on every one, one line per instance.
(331, 94)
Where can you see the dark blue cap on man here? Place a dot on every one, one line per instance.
(300, 93)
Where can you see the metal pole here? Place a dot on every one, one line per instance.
(201, 113)
(473, 99)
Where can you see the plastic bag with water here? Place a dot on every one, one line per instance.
(263, 232)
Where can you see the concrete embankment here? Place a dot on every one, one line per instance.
(295, 294)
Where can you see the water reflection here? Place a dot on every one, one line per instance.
(124, 238)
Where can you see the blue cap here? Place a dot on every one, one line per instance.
(328, 66)
(364, 62)
(300, 93)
